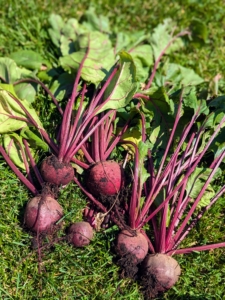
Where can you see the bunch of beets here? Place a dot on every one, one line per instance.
(151, 204)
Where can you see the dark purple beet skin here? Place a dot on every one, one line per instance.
(41, 213)
(128, 243)
(56, 172)
(105, 178)
(163, 268)
(80, 234)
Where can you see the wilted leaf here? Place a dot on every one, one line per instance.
(133, 134)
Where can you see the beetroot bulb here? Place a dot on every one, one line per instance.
(134, 244)
(56, 172)
(105, 178)
(41, 213)
(80, 234)
(160, 272)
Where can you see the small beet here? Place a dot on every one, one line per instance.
(80, 234)
(56, 172)
(160, 273)
(41, 213)
(132, 245)
(105, 178)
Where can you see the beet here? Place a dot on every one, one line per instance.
(135, 246)
(56, 172)
(80, 234)
(41, 213)
(105, 178)
(160, 273)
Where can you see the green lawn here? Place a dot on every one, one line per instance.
(89, 273)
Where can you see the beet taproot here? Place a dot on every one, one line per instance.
(106, 178)
(132, 244)
(80, 234)
(41, 213)
(56, 172)
(159, 273)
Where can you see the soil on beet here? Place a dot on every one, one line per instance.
(54, 162)
(121, 199)
(118, 203)
(48, 190)
(150, 287)
(56, 172)
(129, 262)
(127, 268)
(106, 184)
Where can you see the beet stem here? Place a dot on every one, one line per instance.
(74, 127)
(24, 180)
(69, 108)
(198, 217)
(96, 202)
(76, 146)
(44, 87)
(159, 181)
(189, 172)
(179, 232)
(33, 164)
(197, 248)
(116, 140)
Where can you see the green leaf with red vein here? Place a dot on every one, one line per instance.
(13, 144)
(12, 116)
(123, 85)
(99, 60)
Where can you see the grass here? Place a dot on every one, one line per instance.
(90, 273)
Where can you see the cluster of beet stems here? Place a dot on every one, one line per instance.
(92, 131)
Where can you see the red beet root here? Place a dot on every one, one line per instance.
(135, 246)
(160, 273)
(41, 213)
(56, 172)
(81, 233)
(105, 178)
